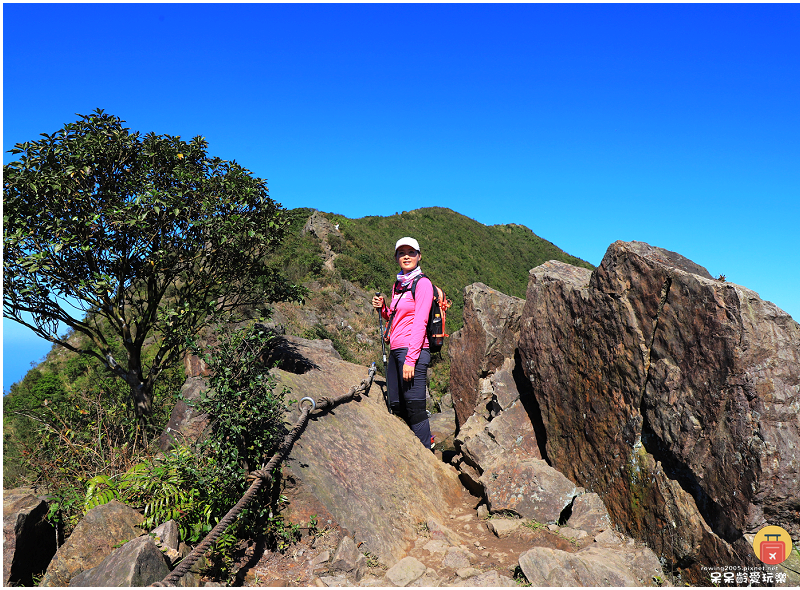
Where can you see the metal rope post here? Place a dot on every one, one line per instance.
(263, 475)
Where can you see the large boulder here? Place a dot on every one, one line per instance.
(361, 464)
(137, 563)
(488, 337)
(672, 395)
(102, 529)
(532, 489)
(29, 541)
(625, 565)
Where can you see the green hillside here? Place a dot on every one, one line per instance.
(456, 251)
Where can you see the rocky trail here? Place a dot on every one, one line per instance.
(468, 549)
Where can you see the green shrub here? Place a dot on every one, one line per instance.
(196, 485)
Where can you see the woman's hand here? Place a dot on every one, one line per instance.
(408, 372)
(377, 302)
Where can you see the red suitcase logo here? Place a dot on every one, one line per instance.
(772, 552)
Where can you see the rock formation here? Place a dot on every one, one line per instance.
(94, 538)
(672, 395)
(488, 337)
(361, 464)
(136, 563)
(186, 423)
(29, 541)
(319, 227)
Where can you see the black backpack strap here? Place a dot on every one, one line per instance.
(414, 284)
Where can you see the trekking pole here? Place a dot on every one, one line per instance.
(383, 348)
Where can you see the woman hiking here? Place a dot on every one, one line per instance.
(407, 317)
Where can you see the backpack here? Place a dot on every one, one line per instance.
(436, 318)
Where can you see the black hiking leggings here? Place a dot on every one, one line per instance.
(407, 398)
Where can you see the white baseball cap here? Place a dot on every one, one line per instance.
(407, 242)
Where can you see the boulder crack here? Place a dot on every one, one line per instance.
(661, 303)
(675, 469)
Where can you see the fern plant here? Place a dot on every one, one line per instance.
(196, 485)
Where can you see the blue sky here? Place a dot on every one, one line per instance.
(673, 124)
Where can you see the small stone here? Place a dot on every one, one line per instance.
(346, 556)
(440, 532)
(455, 559)
(467, 572)
(436, 546)
(335, 581)
(503, 527)
(571, 533)
(405, 571)
(552, 528)
(608, 537)
(323, 557)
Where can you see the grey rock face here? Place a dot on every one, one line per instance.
(29, 541)
(348, 559)
(593, 566)
(532, 489)
(167, 538)
(589, 514)
(136, 563)
(93, 540)
(186, 423)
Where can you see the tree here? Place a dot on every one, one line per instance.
(143, 237)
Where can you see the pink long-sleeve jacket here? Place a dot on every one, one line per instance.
(410, 323)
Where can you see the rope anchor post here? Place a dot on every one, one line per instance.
(262, 476)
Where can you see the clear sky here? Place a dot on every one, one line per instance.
(672, 124)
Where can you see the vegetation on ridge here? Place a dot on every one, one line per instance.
(456, 251)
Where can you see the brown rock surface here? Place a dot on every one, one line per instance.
(488, 337)
(532, 489)
(627, 565)
(363, 465)
(672, 395)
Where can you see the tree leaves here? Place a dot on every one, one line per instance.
(128, 225)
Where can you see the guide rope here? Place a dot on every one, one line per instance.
(264, 475)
